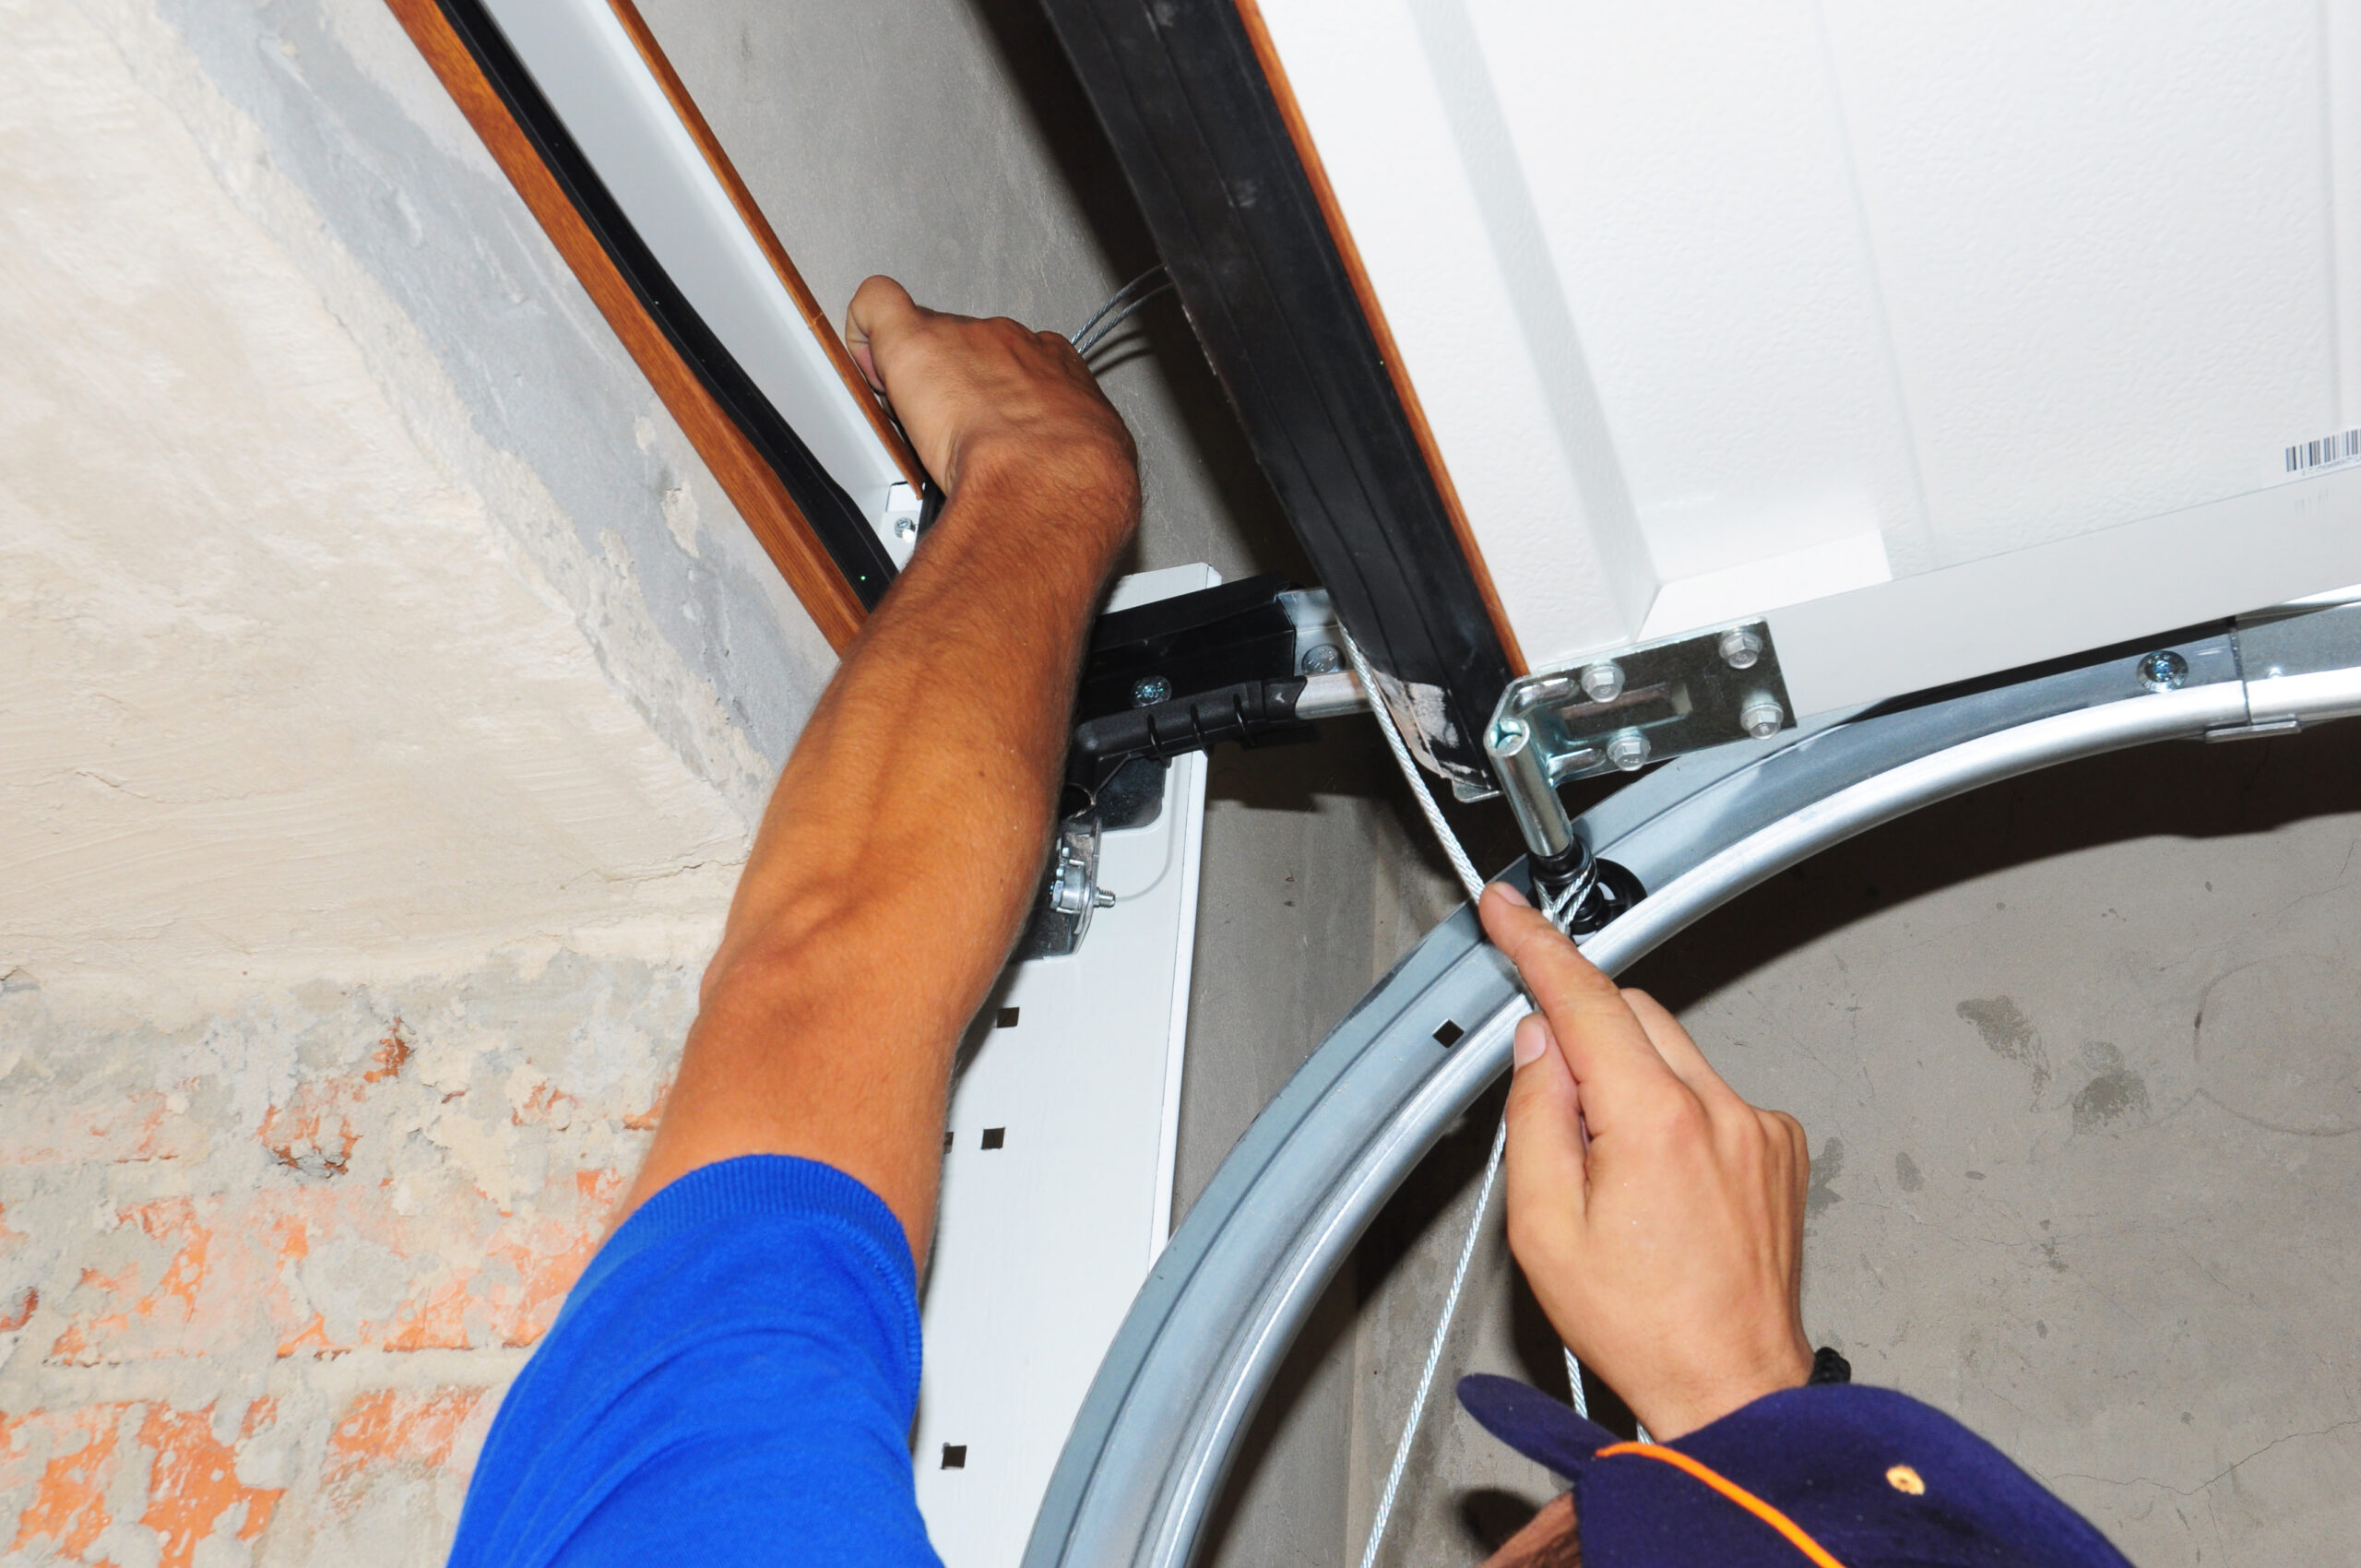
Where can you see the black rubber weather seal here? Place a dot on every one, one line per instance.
(1195, 125)
(835, 520)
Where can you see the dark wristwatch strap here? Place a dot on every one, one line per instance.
(1827, 1366)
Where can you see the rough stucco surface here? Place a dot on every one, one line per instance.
(369, 805)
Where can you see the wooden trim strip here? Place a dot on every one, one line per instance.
(1267, 53)
(752, 485)
(751, 216)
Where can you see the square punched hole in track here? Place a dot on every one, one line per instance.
(1448, 1034)
(995, 1137)
(954, 1455)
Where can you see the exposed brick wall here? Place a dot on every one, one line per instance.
(263, 1278)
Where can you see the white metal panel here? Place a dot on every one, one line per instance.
(1042, 1243)
(587, 66)
(1703, 222)
(2105, 236)
(1851, 290)
(1466, 281)
(2135, 580)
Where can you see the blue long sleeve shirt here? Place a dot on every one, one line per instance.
(732, 1380)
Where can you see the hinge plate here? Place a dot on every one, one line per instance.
(1623, 710)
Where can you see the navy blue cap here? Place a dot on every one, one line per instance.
(1836, 1476)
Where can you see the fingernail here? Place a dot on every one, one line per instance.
(1508, 891)
(1531, 1038)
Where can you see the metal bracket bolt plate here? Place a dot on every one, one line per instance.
(1643, 705)
(899, 522)
(1070, 894)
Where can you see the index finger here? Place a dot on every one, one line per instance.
(1610, 1054)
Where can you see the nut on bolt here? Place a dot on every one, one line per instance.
(1741, 648)
(1603, 681)
(906, 527)
(1151, 690)
(1761, 717)
(1628, 751)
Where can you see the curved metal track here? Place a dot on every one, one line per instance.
(1151, 1448)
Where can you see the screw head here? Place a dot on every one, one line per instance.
(1508, 737)
(1603, 681)
(1742, 649)
(1761, 717)
(1151, 690)
(1324, 659)
(1628, 751)
(906, 527)
(2164, 671)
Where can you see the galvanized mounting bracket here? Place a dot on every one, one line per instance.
(1070, 894)
(1622, 711)
(2299, 666)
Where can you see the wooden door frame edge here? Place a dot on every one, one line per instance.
(749, 475)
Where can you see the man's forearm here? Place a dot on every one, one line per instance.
(922, 786)
(906, 839)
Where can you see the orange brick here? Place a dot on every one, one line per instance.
(193, 1482)
(68, 1507)
(391, 1052)
(390, 1427)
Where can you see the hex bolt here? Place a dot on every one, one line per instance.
(1761, 717)
(1323, 659)
(1628, 751)
(1151, 690)
(2164, 671)
(906, 527)
(1603, 681)
(1741, 648)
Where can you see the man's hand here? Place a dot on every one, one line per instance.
(1667, 1245)
(971, 394)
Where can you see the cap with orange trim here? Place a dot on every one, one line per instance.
(1836, 1476)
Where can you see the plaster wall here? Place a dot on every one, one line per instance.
(385, 694)
(365, 825)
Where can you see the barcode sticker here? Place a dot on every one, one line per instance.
(2307, 459)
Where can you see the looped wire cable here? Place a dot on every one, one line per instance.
(1117, 308)
(1466, 870)
(1460, 864)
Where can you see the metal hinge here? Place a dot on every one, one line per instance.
(1621, 712)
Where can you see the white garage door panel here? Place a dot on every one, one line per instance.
(1763, 302)
(2071, 595)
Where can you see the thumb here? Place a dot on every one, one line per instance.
(1548, 1166)
(880, 309)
